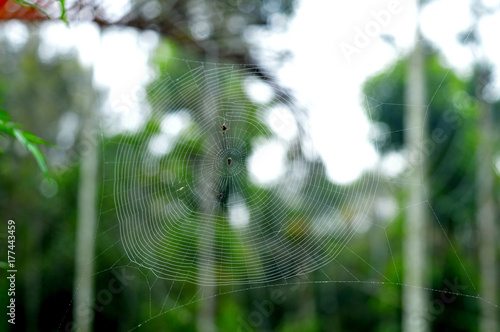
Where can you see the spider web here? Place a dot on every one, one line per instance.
(175, 194)
(174, 222)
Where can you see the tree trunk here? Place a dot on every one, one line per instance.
(486, 213)
(414, 299)
(206, 314)
(83, 313)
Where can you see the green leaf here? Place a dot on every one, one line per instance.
(19, 135)
(7, 127)
(34, 151)
(39, 159)
(26, 138)
(4, 129)
(4, 116)
(27, 4)
(4, 265)
(63, 12)
(35, 139)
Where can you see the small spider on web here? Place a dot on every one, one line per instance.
(224, 128)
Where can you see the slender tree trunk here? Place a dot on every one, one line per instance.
(84, 257)
(205, 321)
(206, 313)
(415, 227)
(307, 304)
(486, 213)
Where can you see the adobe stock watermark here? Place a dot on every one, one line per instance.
(437, 306)
(103, 298)
(456, 118)
(88, 141)
(451, 120)
(363, 36)
(263, 309)
(90, 138)
(283, 122)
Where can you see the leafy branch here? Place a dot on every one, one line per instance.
(26, 138)
(27, 4)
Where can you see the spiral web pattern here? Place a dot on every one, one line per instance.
(188, 214)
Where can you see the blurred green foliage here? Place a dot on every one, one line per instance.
(26, 138)
(451, 161)
(38, 93)
(362, 289)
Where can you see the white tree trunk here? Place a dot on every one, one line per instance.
(206, 313)
(486, 213)
(205, 321)
(83, 312)
(414, 299)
